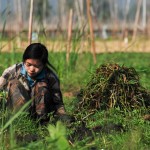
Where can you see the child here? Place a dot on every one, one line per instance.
(33, 79)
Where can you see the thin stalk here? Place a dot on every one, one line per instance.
(13, 53)
(30, 22)
(12, 139)
(91, 30)
(69, 35)
(136, 19)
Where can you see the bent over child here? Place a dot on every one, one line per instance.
(33, 79)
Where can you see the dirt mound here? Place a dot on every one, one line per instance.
(114, 86)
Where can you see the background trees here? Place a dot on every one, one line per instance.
(51, 14)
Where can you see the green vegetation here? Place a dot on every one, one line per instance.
(112, 128)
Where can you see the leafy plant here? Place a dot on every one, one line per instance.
(57, 137)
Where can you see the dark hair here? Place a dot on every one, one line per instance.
(37, 51)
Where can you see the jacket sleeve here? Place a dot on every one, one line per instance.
(56, 94)
(7, 75)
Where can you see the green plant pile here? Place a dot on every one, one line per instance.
(114, 86)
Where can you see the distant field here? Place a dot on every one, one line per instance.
(101, 46)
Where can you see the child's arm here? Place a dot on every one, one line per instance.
(6, 76)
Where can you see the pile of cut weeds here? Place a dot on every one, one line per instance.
(114, 86)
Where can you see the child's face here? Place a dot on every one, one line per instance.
(33, 67)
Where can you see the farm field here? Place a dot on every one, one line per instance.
(100, 51)
(113, 128)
